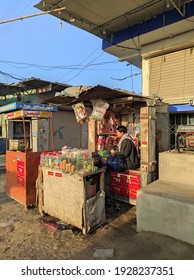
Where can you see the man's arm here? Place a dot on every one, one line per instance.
(125, 148)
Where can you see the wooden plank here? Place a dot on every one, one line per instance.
(92, 135)
(63, 197)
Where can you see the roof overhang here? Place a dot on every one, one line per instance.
(126, 26)
(181, 108)
(86, 94)
(40, 86)
(164, 32)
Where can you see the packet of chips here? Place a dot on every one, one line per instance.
(99, 109)
(80, 112)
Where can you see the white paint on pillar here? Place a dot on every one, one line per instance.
(145, 77)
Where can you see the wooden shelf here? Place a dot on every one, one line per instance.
(110, 134)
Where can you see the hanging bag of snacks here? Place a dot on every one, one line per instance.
(80, 112)
(99, 109)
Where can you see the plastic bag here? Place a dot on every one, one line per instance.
(80, 112)
(115, 163)
(99, 109)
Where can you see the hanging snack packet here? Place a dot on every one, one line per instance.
(99, 109)
(80, 112)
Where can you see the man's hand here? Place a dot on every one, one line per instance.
(113, 152)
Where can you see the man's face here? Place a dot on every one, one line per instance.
(119, 134)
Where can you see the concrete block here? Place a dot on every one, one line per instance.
(176, 167)
(167, 208)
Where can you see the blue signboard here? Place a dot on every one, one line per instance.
(27, 106)
(180, 108)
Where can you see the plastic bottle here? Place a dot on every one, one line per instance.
(46, 160)
(57, 160)
(52, 160)
(42, 158)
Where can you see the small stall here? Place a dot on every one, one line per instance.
(71, 184)
(71, 188)
(77, 199)
(28, 133)
(146, 119)
(122, 185)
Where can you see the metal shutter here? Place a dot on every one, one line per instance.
(171, 76)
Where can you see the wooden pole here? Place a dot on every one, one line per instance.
(33, 15)
(24, 127)
(52, 132)
(7, 133)
(31, 137)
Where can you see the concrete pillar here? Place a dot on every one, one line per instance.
(145, 77)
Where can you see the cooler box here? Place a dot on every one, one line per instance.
(124, 185)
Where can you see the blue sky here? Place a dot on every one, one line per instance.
(38, 47)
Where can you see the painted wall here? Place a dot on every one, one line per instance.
(68, 132)
(66, 129)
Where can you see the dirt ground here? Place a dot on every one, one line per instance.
(23, 236)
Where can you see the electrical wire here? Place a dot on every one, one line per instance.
(127, 13)
(83, 68)
(11, 76)
(163, 40)
(132, 37)
(132, 79)
(80, 68)
(131, 76)
(45, 67)
(122, 79)
(80, 62)
(17, 14)
(11, 9)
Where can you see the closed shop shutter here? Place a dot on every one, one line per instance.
(171, 76)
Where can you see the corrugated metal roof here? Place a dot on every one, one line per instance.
(30, 84)
(34, 83)
(86, 94)
(6, 89)
(111, 15)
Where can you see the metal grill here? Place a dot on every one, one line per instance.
(175, 121)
